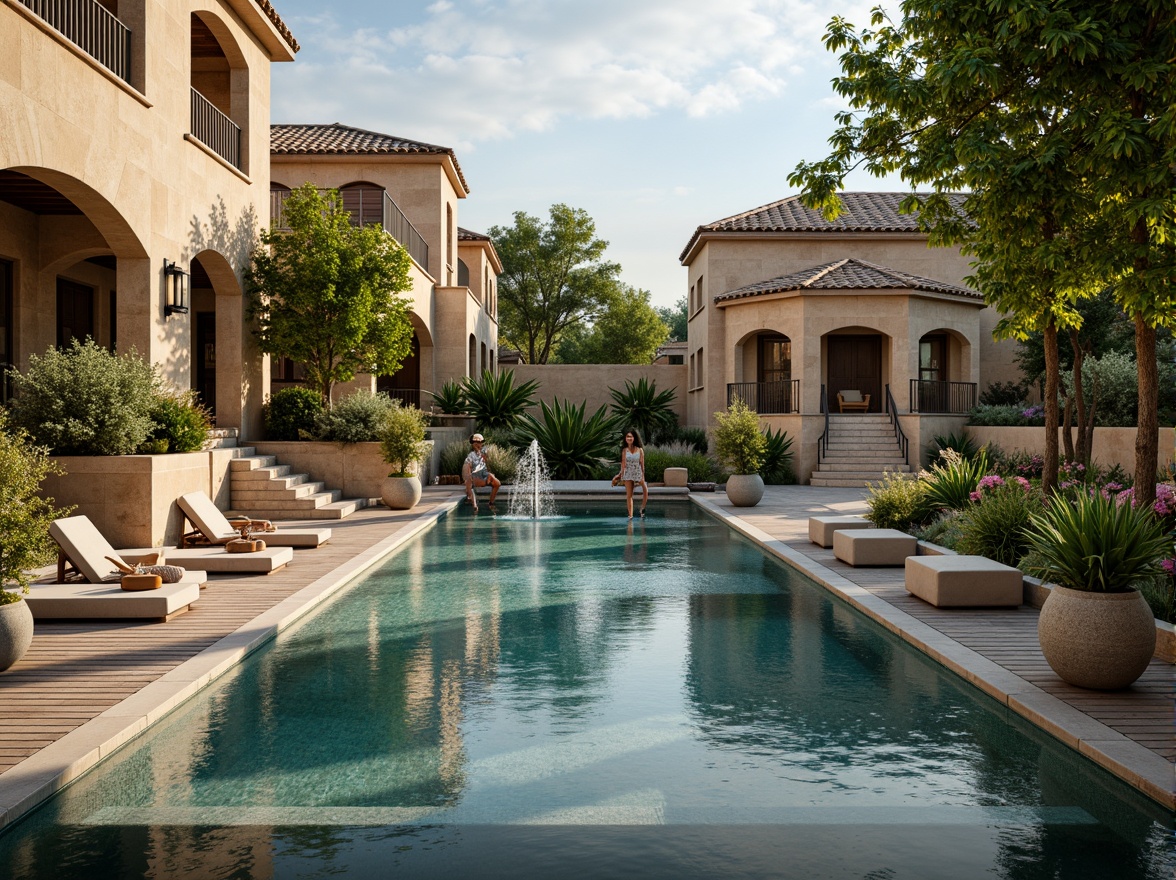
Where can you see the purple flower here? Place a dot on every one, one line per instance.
(1169, 565)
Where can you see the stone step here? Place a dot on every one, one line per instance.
(306, 503)
(334, 510)
(252, 462)
(859, 464)
(871, 446)
(840, 483)
(273, 472)
(270, 491)
(871, 474)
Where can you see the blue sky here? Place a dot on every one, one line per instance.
(655, 116)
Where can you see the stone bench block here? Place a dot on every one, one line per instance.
(871, 547)
(821, 528)
(675, 476)
(963, 581)
(110, 601)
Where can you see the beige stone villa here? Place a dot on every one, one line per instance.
(134, 170)
(414, 190)
(787, 310)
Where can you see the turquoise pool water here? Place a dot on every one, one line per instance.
(591, 698)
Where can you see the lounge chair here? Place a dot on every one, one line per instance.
(83, 552)
(853, 401)
(210, 526)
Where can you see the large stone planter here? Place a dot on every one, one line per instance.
(1102, 641)
(745, 490)
(401, 493)
(16, 632)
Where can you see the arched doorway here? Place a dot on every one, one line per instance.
(853, 362)
(764, 368)
(219, 90)
(405, 384)
(221, 364)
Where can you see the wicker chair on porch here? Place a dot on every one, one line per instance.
(853, 401)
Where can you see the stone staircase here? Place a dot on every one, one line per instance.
(261, 488)
(862, 447)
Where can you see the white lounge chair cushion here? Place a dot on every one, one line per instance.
(87, 601)
(218, 530)
(85, 547)
(219, 560)
(851, 396)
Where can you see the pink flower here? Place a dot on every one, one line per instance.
(1023, 483)
(974, 496)
(1169, 565)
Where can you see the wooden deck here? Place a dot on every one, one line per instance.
(1143, 714)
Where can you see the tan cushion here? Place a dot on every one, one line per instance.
(866, 547)
(86, 548)
(851, 396)
(216, 559)
(963, 581)
(87, 601)
(821, 528)
(676, 476)
(218, 530)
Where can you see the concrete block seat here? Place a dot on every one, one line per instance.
(963, 581)
(210, 526)
(676, 476)
(83, 552)
(821, 528)
(873, 547)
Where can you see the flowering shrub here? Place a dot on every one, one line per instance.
(1037, 411)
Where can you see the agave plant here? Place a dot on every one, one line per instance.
(950, 485)
(963, 443)
(573, 445)
(495, 401)
(1097, 545)
(450, 399)
(776, 468)
(643, 407)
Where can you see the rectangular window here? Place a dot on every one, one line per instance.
(690, 375)
(6, 331)
(691, 299)
(701, 294)
(701, 378)
(75, 312)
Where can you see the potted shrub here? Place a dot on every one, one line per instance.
(1096, 629)
(740, 446)
(403, 445)
(452, 403)
(24, 535)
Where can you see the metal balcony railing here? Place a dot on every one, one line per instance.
(953, 398)
(91, 28)
(407, 396)
(393, 221)
(766, 398)
(215, 130)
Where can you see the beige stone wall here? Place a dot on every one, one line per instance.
(357, 469)
(1111, 445)
(591, 382)
(124, 156)
(720, 265)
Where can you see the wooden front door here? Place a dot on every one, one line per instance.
(206, 359)
(855, 364)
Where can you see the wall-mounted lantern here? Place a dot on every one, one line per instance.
(175, 282)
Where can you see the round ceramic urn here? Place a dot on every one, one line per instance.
(401, 493)
(1102, 641)
(16, 632)
(745, 490)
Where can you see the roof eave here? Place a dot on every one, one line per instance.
(703, 235)
(279, 46)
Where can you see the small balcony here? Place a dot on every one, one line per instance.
(946, 398)
(90, 27)
(215, 130)
(767, 398)
(392, 219)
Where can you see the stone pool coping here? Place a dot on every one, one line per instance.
(1131, 762)
(41, 775)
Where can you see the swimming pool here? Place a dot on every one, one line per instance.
(591, 697)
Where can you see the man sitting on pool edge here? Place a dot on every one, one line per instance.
(475, 472)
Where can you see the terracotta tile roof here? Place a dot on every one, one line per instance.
(272, 15)
(848, 274)
(469, 235)
(337, 138)
(862, 212)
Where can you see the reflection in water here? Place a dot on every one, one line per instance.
(656, 695)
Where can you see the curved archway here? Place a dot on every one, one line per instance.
(942, 379)
(220, 87)
(364, 201)
(763, 373)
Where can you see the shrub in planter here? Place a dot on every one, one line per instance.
(740, 446)
(1007, 416)
(83, 400)
(701, 468)
(1003, 394)
(995, 525)
(950, 484)
(495, 401)
(403, 445)
(357, 418)
(450, 399)
(181, 424)
(290, 413)
(943, 530)
(898, 502)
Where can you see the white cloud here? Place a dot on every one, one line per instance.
(474, 70)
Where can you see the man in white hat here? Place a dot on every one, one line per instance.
(476, 472)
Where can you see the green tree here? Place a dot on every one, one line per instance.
(554, 277)
(1059, 119)
(627, 331)
(675, 318)
(325, 293)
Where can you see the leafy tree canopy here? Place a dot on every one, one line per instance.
(675, 318)
(627, 331)
(325, 293)
(554, 277)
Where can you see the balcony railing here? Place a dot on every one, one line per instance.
(91, 28)
(394, 223)
(953, 398)
(215, 130)
(407, 396)
(766, 397)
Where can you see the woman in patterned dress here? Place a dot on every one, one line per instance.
(633, 469)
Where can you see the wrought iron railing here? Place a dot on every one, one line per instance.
(90, 27)
(823, 440)
(930, 396)
(407, 396)
(892, 411)
(766, 397)
(215, 130)
(394, 222)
